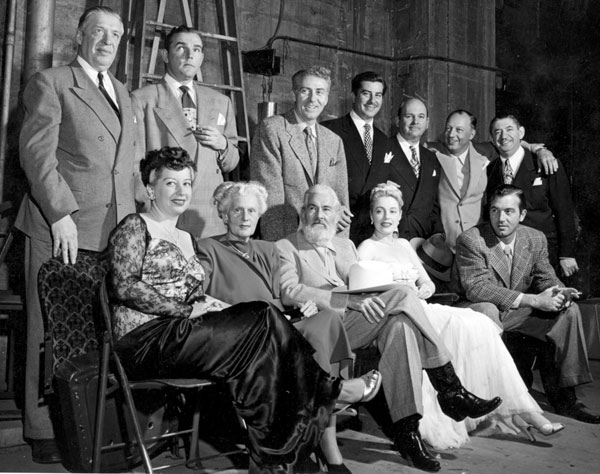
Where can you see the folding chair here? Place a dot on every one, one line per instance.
(112, 432)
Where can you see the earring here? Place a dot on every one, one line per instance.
(371, 221)
(150, 195)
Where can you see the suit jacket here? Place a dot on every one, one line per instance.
(421, 209)
(161, 123)
(483, 269)
(550, 208)
(77, 156)
(461, 211)
(280, 161)
(303, 275)
(362, 177)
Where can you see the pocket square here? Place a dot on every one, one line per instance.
(537, 181)
(388, 157)
(221, 120)
(434, 173)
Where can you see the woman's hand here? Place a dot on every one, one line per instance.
(424, 292)
(309, 309)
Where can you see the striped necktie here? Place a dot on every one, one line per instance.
(508, 172)
(414, 161)
(368, 142)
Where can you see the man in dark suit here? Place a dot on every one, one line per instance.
(505, 265)
(365, 147)
(550, 208)
(292, 152)
(77, 151)
(201, 121)
(417, 171)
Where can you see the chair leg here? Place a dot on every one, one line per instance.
(100, 408)
(133, 416)
(192, 461)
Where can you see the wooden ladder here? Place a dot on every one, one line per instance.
(138, 61)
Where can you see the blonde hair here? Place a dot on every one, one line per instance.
(386, 190)
(225, 192)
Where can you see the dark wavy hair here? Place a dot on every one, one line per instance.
(168, 38)
(173, 158)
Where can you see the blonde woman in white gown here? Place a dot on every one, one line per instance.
(479, 356)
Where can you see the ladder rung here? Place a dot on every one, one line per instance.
(156, 77)
(157, 24)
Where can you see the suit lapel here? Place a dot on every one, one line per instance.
(168, 111)
(207, 110)
(521, 259)
(526, 172)
(477, 167)
(403, 168)
(354, 143)
(312, 259)
(89, 93)
(497, 257)
(297, 144)
(448, 163)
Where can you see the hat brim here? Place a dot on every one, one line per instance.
(444, 276)
(371, 289)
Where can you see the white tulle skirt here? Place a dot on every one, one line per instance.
(485, 368)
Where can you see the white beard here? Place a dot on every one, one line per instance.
(320, 236)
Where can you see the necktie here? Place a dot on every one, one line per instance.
(106, 95)
(368, 142)
(508, 173)
(312, 148)
(414, 161)
(189, 108)
(508, 254)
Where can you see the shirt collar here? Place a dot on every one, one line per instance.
(302, 124)
(510, 245)
(406, 146)
(463, 156)
(90, 71)
(175, 85)
(516, 159)
(359, 122)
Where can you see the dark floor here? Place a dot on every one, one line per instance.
(576, 450)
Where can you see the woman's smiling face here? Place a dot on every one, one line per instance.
(386, 213)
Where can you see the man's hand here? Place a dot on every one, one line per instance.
(371, 307)
(345, 219)
(549, 300)
(568, 266)
(309, 309)
(546, 160)
(64, 238)
(210, 137)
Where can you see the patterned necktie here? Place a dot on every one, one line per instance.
(312, 148)
(368, 142)
(414, 161)
(107, 95)
(189, 108)
(508, 173)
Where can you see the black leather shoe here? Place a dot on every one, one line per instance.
(44, 451)
(411, 447)
(463, 403)
(580, 412)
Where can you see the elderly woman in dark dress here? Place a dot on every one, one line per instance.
(165, 328)
(240, 269)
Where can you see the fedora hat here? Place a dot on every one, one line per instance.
(435, 255)
(368, 276)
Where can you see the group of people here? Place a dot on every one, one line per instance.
(195, 295)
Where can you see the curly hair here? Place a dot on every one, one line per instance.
(173, 158)
(317, 71)
(386, 190)
(225, 192)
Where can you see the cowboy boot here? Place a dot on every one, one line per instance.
(456, 401)
(409, 444)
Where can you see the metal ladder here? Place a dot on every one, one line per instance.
(138, 59)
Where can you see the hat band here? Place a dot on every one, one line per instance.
(430, 262)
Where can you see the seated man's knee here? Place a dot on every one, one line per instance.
(489, 309)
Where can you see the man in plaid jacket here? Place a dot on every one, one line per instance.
(504, 270)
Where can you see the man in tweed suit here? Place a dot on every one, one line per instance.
(505, 265)
(314, 262)
(291, 152)
(202, 123)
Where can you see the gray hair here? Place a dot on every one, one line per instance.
(317, 71)
(322, 189)
(225, 192)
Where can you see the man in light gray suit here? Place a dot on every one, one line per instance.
(177, 112)
(314, 262)
(77, 151)
(291, 152)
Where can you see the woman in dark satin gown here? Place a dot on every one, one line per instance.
(166, 327)
(240, 269)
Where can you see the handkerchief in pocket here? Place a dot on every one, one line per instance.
(537, 181)
(221, 120)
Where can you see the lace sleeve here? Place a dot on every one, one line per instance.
(127, 249)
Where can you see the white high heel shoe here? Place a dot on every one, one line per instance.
(526, 421)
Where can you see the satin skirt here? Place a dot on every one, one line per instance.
(277, 387)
